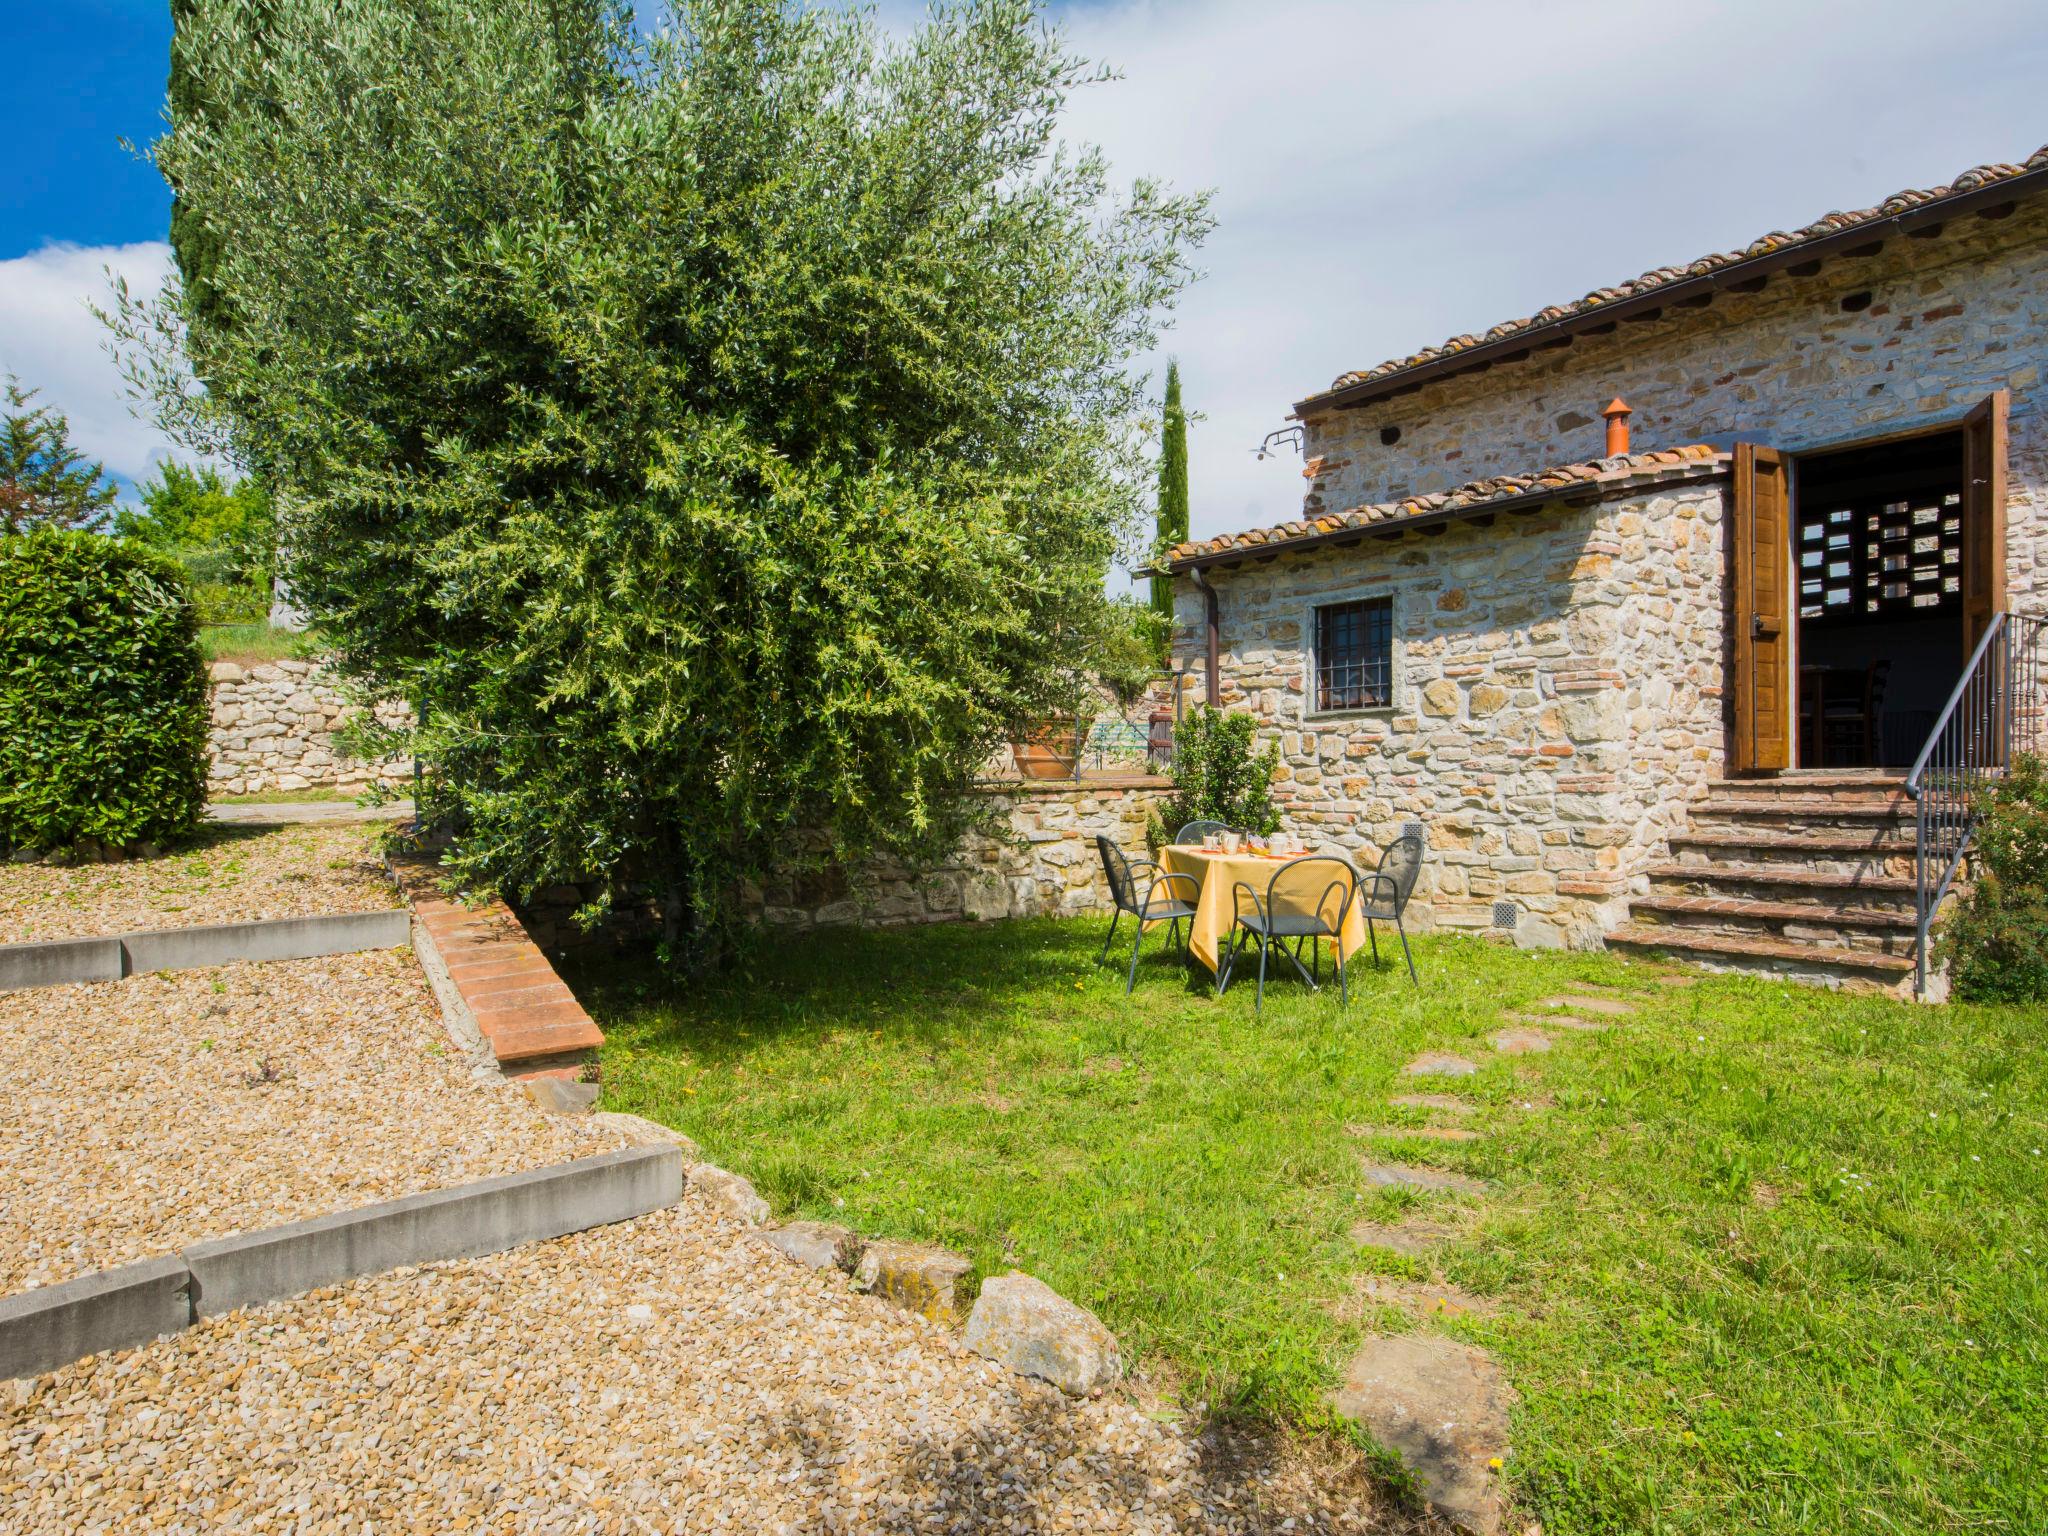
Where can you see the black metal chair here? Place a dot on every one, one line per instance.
(1384, 894)
(1299, 905)
(1192, 834)
(1159, 903)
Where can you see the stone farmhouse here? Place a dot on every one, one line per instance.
(1665, 693)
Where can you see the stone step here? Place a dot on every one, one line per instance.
(1761, 808)
(1847, 781)
(1770, 882)
(1830, 853)
(1771, 957)
(1816, 914)
(1825, 929)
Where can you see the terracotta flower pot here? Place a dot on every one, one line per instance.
(1049, 750)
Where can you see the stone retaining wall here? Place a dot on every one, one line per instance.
(1047, 865)
(273, 729)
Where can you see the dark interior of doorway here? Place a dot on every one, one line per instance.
(1877, 542)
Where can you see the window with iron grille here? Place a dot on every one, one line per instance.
(1355, 655)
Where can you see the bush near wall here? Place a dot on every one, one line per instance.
(103, 710)
(1996, 939)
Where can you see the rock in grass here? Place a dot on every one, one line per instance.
(818, 1244)
(1029, 1327)
(917, 1278)
(728, 1194)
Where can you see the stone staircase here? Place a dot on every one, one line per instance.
(1808, 875)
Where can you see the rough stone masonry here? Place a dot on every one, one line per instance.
(274, 727)
(1557, 700)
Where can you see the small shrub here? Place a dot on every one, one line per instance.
(1217, 776)
(103, 710)
(1996, 940)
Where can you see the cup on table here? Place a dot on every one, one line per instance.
(1212, 841)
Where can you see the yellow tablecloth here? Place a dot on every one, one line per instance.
(1216, 912)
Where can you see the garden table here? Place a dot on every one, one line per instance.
(1216, 911)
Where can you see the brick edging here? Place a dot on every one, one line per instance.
(497, 989)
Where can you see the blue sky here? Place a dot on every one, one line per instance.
(1387, 172)
(86, 73)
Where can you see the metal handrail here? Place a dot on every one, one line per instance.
(1994, 711)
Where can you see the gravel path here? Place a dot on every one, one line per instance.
(143, 1114)
(666, 1374)
(229, 874)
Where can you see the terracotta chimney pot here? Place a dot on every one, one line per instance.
(1617, 414)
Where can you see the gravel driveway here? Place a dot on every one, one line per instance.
(143, 1114)
(229, 874)
(665, 1374)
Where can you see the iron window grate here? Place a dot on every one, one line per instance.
(1355, 654)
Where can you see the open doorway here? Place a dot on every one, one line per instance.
(1878, 556)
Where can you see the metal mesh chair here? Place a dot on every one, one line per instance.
(1193, 833)
(1383, 895)
(1160, 902)
(1306, 901)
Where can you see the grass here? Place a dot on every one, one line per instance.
(1767, 1258)
(250, 644)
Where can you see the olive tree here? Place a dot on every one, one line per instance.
(720, 421)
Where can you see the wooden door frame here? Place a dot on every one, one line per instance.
(1987, 453)
(1750, 625)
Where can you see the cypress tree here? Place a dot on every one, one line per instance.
(1172, 517)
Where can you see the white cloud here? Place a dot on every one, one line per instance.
(1390, 174)
(52, 342)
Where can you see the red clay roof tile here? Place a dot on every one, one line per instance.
(1626, 472)
(1828, 224)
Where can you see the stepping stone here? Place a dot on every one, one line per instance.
(1414, 1176)
(1417, 1299)
(1443, 1407)
(1421, 1132)
(1439, 1064)
(1413, 1238)
(1520, 1042)
(1562, 1021)
(1442, 1101)
(1673, 979)
(1613, 1007)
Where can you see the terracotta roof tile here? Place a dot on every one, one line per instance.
(1828, 224)
(1623, 473)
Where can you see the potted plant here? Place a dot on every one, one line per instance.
(1049, 748)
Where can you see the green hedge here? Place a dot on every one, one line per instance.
(103, 708)
(1996, 939)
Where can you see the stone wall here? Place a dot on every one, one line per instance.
(273, 729)
(1912, 336)
(1045, 865)
(1557, 700)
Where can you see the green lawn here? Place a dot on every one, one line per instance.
(251, 644)
(1766, 1258)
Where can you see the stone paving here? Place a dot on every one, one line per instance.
(305, 812)
(1438, 1402)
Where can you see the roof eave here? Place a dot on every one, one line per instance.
(1697, 289)
(1578, 494)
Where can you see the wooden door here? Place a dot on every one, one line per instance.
(1761, 546)
(1983, 516)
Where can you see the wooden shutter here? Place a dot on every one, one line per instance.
(1983, 516)
(1762, 540)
